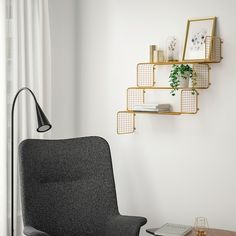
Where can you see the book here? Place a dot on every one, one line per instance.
(152, 107)
(173, 230)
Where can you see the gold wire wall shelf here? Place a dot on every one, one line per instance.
(188, 101)
(146, 76)
(213, 49)
(125, 122)
(147, 81)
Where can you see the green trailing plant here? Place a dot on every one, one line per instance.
(184, 71)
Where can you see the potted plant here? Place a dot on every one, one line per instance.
(179, 78)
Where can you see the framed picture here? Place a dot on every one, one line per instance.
(196, 33)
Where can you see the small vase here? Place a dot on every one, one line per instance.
(184, 80)
(183, 83)
(172, 53)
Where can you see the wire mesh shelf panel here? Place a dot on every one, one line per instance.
(213, 48)
(201, 72)
(125, 122)
(135, 96)
(189, 102)
(145, 75)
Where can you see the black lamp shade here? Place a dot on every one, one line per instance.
(43, 123)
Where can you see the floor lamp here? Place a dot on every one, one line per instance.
(43, 126)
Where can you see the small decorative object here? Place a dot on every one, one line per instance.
(153, 53)
(179, 77)
(201, 226)
(160, 56)
(197, 31)
(172, 49)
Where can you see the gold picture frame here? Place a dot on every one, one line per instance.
(196, 32)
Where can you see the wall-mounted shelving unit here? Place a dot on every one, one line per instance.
(147, 81)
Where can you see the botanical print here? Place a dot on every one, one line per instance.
(198, 40)
(197, 31)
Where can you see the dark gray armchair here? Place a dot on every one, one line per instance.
(68, 189)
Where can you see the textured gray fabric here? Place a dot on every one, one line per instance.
(68, 189)
(30, 231)
(124, 225)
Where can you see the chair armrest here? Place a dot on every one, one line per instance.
(124, 225)
(30, 231)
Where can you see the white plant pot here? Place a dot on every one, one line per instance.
(184, 82)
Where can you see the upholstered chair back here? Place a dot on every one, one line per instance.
(67, 185)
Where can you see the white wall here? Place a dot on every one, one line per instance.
(172, 168)
(63, 38)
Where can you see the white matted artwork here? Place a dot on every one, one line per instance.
(197, 31)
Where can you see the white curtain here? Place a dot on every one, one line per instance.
(3, 121)
(30, 66)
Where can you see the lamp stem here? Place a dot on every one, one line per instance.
(12, 169)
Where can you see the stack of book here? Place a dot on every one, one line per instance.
(153, 107)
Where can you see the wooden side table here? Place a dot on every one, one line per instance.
(210, 232)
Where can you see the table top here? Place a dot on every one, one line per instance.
(210, 232)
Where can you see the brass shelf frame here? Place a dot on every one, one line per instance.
(201, 72)
(146, 81)
(136, 95)
(158, 113)
(125, 122)
(166, 63)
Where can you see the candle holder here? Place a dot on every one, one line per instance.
(201, 226)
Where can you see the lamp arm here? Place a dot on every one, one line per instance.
(12, 153)
(17, 94)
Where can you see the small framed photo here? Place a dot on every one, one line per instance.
(196, 33)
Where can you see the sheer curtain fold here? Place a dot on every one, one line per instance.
(3, 123)
(31, 67)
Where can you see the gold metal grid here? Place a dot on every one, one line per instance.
(202, 74)
(135, 96)
(213, 48)
(189, 102)
(145, 75)
(125, 122)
